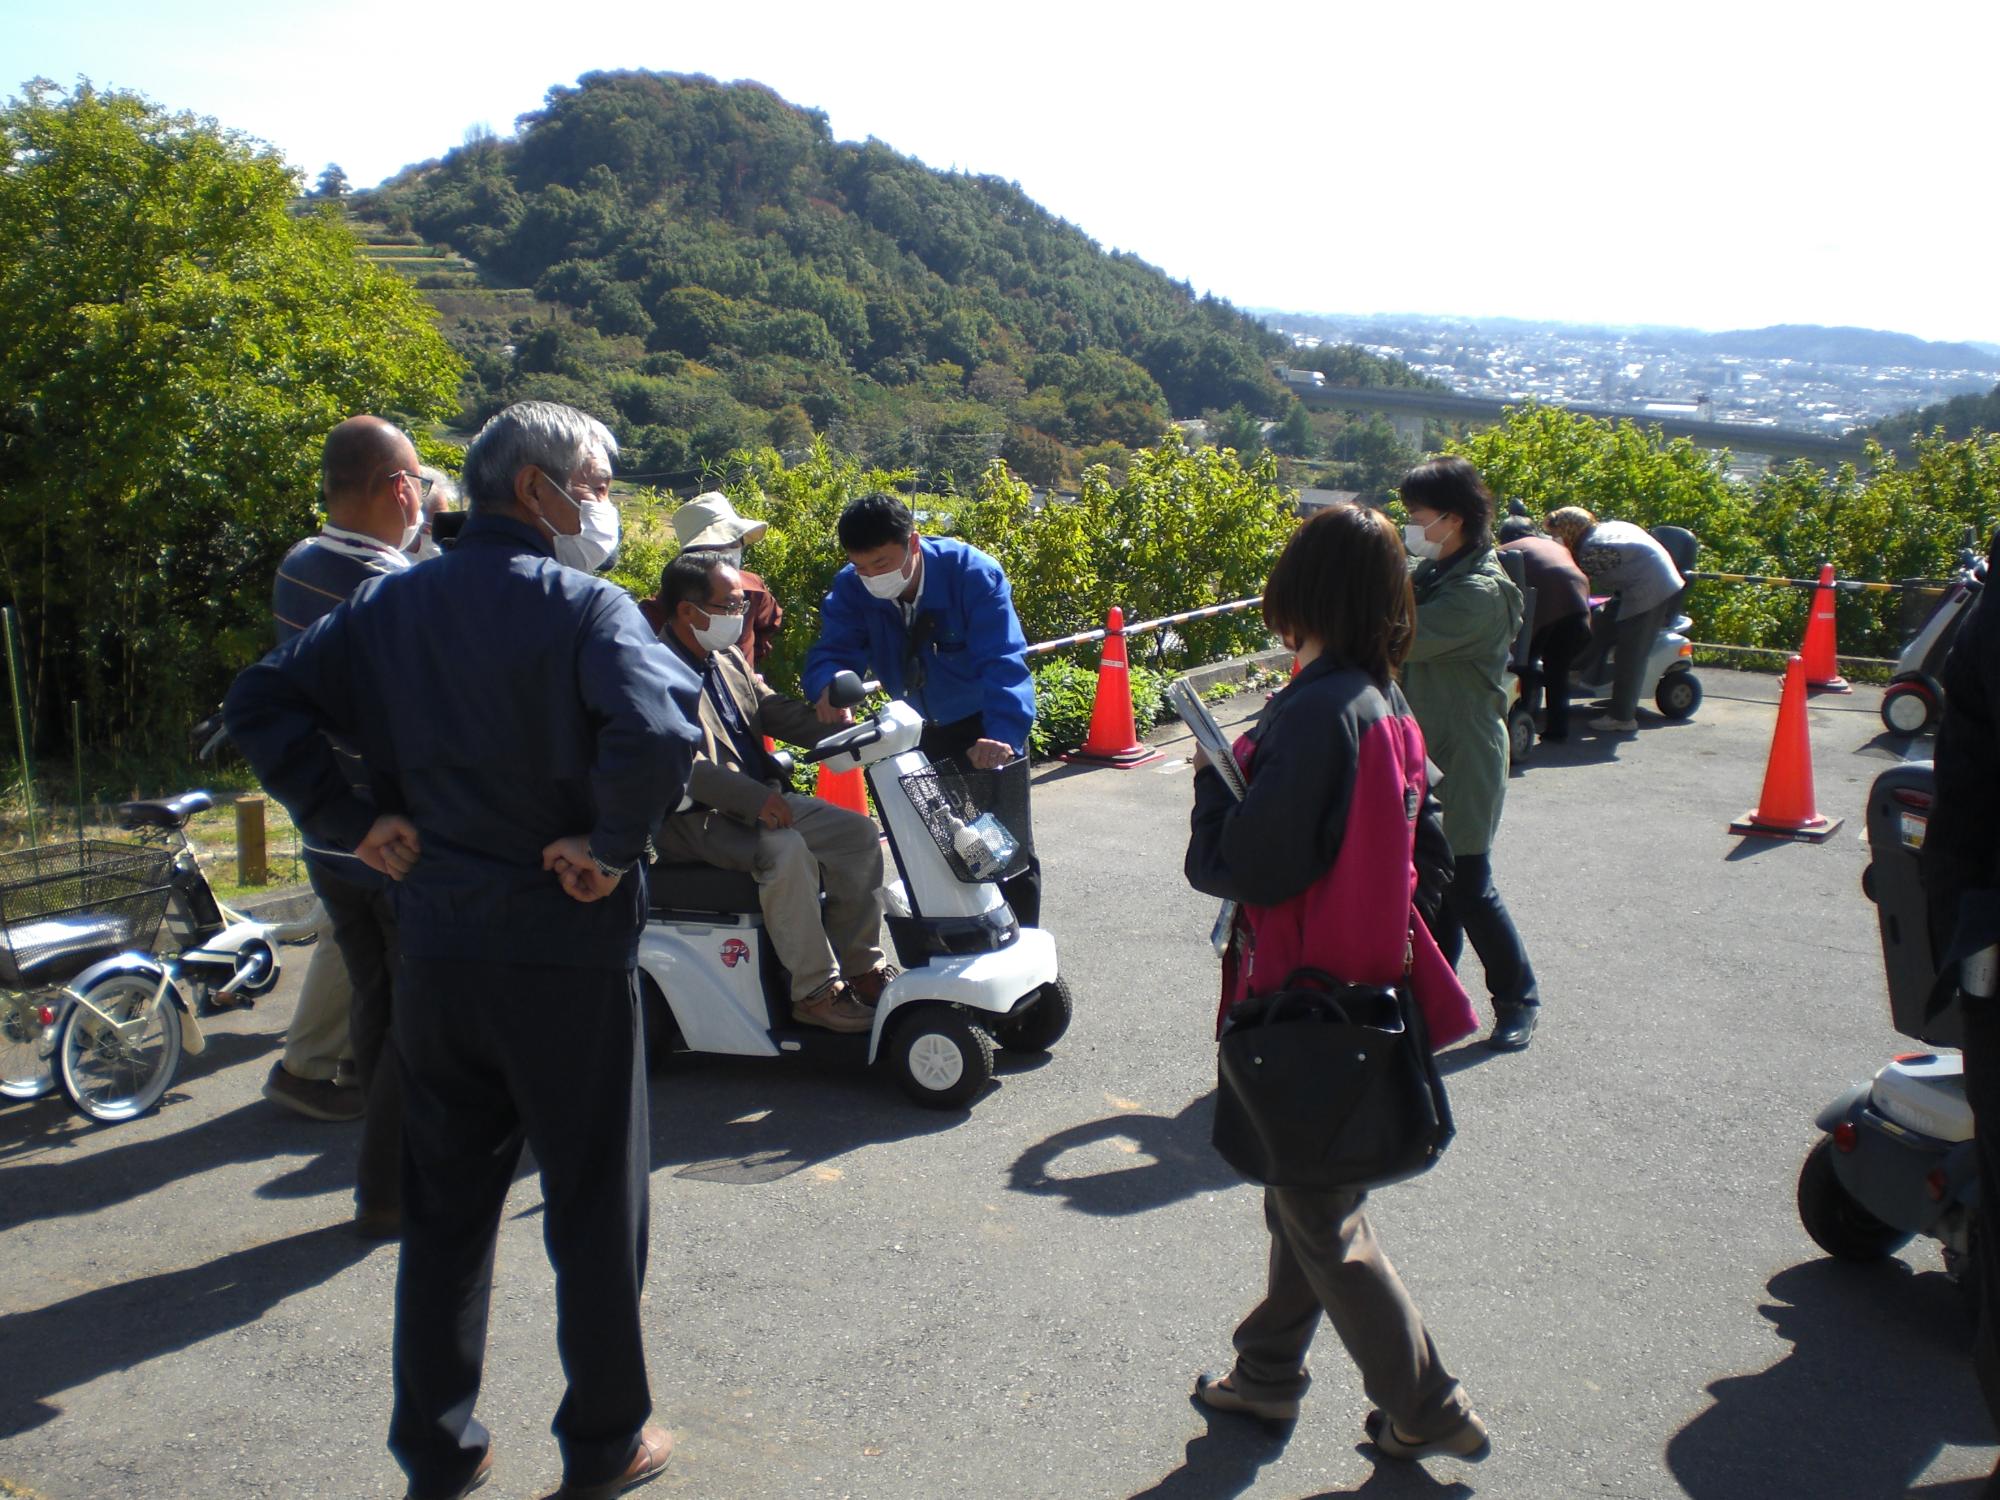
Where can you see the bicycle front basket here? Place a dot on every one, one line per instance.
(65, 904)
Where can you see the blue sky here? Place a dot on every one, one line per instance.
(1695, 163)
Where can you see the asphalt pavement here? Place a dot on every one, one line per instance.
(850, 1296)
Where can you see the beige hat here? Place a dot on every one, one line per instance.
(711, 521)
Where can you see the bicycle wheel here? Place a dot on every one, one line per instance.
(27, 1046)
(116, 1060)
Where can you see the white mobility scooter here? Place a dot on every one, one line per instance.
(972, 976)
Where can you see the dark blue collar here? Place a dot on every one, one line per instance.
(489, 530)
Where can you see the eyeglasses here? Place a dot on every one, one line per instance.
(734, 607)
(424, 481)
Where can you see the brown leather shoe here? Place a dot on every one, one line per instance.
(479, 1477)
(831, 1007)
(656, 1446)
(867, 988)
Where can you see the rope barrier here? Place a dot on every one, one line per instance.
(1845, 585)
(1085, 637)
(1782, 651)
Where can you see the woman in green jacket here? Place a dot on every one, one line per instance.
(1468, 613)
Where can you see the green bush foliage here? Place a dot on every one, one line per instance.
(1066, 692)
(174, 344)
(1181, 529)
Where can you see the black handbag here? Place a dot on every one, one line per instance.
(1325, 1084)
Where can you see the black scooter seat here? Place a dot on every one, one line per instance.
(164, 812)
(697, 888)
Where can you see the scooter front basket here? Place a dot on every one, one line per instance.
(977, 819)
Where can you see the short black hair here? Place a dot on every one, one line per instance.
(1343, 581)
(1452, 487)
(687, 578)
(874, 521)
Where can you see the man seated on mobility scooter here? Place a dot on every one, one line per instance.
(741, 816)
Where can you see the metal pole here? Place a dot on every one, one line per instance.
(76, 748)
(11, 628)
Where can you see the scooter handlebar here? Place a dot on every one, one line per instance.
(840, 744)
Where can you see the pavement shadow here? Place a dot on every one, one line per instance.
(1395, 1480)
(1222, 1461)
(82, 1183)
(1877, 1382)
(1468, 1055)
(33, 1125)
(71, 1343)
(1182, 1162)
(746, 1123)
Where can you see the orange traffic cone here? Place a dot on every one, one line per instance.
(843, 789)
(1786, 810)
(1113, 740)
(1822, 669)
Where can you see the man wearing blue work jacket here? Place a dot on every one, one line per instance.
(934, 620)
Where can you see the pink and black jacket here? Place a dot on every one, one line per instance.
(1321, 854)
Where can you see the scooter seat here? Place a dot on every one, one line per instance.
(691, 887)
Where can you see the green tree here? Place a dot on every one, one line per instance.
(174, 344)
(332, 182)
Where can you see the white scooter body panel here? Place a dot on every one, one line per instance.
(712, 978)
(1925, 1094)
(980, 981)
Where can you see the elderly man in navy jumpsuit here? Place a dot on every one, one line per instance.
(522, 733)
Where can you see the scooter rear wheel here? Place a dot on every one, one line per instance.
(1837, 1223)
(1042, 1024)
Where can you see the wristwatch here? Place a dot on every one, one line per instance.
(608, 871)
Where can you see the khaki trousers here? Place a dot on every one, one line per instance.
(825, 846)
(316, 1042)
(1324, 1259)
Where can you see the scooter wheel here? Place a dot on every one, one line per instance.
(940, 1058)
(1678, 695)
(1908, 707)
(1520, 736)
(1041, 1024)
(1837, 1223)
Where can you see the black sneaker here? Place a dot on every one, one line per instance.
(315, 1098)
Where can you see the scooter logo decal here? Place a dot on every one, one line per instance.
(734, 952)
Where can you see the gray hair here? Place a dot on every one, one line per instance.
(556, 439)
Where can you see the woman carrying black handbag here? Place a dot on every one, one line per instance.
(1319, 857)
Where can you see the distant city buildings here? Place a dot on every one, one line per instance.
(1647, 373)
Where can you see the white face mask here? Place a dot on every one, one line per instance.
(1417, 544)
(593, 546)
(720, 631)
(888, 585)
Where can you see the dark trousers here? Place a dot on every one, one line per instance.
(496, 1055)
(1555, 649)
(1325, 1262)
(1982, 1091)
(1474, 910)
(1632, 652)
(364, 928)
(1022, 892)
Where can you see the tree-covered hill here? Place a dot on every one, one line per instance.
(1960, 417)
(718, 271)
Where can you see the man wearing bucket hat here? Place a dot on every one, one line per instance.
(709, 523)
